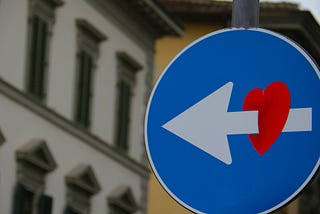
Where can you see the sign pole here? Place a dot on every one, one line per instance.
(245, 14)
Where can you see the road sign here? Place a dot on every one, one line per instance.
(232, 124)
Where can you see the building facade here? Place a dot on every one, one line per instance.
(74, 81)
(202, 17)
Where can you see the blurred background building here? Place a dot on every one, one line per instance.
(201, 17)
(74, 82)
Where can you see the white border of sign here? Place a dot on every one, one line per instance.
(293, 44)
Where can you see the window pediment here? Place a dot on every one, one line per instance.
(123, 198)
(81, 185)
(90, 31)
(37, 153)
(83, 178)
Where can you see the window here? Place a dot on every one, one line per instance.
(127, 69)
(88, 39)
(84, 88)
(40, 23)
(34, 162)
(121, 201)
(2, 138)
(70, 210)
(24, 202)
(81, 185)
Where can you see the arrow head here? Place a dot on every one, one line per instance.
(202, 125)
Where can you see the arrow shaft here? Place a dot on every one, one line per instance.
(246, 122)
(242, 122)
(299, 119)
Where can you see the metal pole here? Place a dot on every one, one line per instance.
(245, 14)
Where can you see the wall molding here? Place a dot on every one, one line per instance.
(70, 127)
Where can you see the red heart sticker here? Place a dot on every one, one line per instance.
(273, 105)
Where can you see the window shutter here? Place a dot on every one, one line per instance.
(69, 210)
(41, 63)
(87, 91)
(84, 89)
(45, 204)
(124, 103)
(33, 54)
(18, 200)
(37, 54)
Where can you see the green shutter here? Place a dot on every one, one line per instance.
(69, 210)
(33, 54)
(123, 115)
(45, 204)
(84, 89)
(41, 59)
(80, 86)
(18, 199)
(37, 57)
(88, 92)
(22, 201)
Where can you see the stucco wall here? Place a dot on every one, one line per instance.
(61, 82)
(67, 151)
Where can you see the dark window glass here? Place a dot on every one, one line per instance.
(124, 100)
(23, 200)
(118, 210)
(45, 204)
(83, 102)
(69, 210)
(37, 52)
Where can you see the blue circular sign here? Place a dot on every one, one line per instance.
(232, 124)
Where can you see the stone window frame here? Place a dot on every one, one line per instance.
(127, 69)
(81, 185)
(34, 162)
(2, 138)
(88, 42)
(121, 200)
(45, 10)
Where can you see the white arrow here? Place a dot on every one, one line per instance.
(207, 123)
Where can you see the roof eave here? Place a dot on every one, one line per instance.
(160, 19)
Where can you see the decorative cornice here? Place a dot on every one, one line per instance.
(89, 29)
(297, 25)
(126, 57)
(283, 17)
(66, 125)
(216, 11)
(157, 16)
(203, 7)
(140, 18)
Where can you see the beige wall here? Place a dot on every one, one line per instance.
(167, 48)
